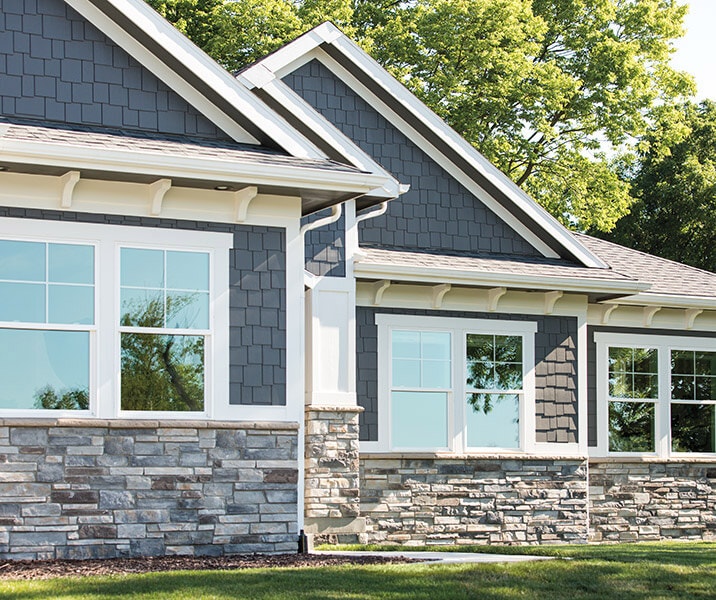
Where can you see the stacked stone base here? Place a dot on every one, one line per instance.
(90, 489)
(655, 500)
(416, 501)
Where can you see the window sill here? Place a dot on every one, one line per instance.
(467, 456)
(687, 458)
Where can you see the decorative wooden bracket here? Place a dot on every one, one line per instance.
(439, 292)
(690, 316)
(649, 312)
(67, 184)
(550, 299)
(379, 288)
(607, 310)
(493, 297)
(242, 199)
(157, 191)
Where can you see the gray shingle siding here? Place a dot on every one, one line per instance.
(325, 246)
(555, 370)
(257, 305)
(56, 66)
(438, 213)
(592, 429)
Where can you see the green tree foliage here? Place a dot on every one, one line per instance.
(538, 86)
(675, 186)
(75, 399)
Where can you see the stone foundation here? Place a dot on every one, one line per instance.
(332, 493)
(416, 501)
(655, 500)
(100, 489)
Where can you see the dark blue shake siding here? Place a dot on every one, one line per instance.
(56, 66)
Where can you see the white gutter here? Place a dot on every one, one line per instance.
(177, 166)
(667, 300)
(491, 279)
(336, 212)
(383, 207)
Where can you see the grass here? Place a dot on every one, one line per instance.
(626, 572)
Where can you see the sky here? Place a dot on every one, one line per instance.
(696, 51)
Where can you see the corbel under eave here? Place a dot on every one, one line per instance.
(157, 191)
(68, 181)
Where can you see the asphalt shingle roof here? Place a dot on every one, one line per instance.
(665, 276)
(154, 143)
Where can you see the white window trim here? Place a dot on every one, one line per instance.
(459, 328)
(664, 344)
(104, 334)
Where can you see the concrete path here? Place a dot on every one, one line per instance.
(445, 558)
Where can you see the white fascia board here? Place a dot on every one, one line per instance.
(508, 280)
(162, 165)
(667, 300)
(306, 114)
(327, 33)
(204, 67)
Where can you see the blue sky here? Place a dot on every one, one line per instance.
(696, 51)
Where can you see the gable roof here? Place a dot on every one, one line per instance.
(336, 51)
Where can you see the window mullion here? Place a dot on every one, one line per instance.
(663, 421)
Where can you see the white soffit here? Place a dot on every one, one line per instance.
(260, 124)
(293, 55)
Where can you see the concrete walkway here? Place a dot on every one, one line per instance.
(445, 558)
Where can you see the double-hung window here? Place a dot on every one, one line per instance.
(106, 320)
(656, 394)
(458, 385)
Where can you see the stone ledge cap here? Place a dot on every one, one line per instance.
(673, 460)
(322, 408)
(148, 424)
(446, 456)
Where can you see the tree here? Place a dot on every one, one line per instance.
(73, 399)
(675, 186)
(538, 86)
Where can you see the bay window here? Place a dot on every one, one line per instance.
(106, 320)
(458, 385)
(656, 394)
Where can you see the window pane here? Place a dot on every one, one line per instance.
(682, 362)
(187, 310)
(692, 427)
(162, 372)
(620, 385)
(631, 427)
(22, 302)
(71, 304)
(620, 359)
(508, 348)
(493, 421)
(435, 345)
(508, 376)
(141, 308)
(142, 268)
(419, 420)
(481, 375)
(406, 344)
(70, 263)
(646, 386)
(706, 388)
(22, 261)
(706, 363)
(406, 373)
(188, 271)
(646, 360)
(682, 387)
(44, 369)
(435, 374)
(480, 347)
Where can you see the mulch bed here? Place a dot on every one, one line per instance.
(48, 569)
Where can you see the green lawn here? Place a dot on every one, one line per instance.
(630, 572)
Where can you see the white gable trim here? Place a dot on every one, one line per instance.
(296, 53)
(202, 66)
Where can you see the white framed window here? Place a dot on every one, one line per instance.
(454, 385)
(656, 395)
(108, 320)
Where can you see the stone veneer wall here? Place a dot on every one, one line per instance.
(416, 501)
(639, 501)
(96, 489)
(332, 492)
